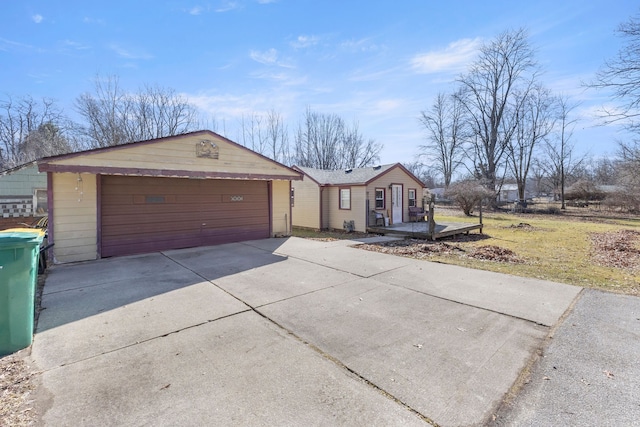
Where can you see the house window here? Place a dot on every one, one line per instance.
(412, 197)
(40, 201)
(379, 198)
(345, 198)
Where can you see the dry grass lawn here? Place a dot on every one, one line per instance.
(593, 252)
(580, 247)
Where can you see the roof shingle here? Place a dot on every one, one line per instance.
(349, 176)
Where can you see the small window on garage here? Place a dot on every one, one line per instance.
(379, 198)
(345, 198)
(412, 197)
(154, 199)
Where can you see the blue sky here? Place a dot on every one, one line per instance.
(377, 62)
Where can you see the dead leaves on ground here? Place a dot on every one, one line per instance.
(16, 385)
(421, 250)
(619, 249)
(495, 253)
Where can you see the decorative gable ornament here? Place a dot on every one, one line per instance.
(207, 149)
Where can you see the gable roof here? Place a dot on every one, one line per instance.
(19, 167)
(138, 161)
(356, 176)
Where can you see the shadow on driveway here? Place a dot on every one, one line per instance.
(77, 291)
(285, 332)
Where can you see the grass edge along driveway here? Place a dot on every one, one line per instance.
(592, 252)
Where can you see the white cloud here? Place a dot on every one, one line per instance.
(88, 20)
(128, 53)
(269, 57)
(385, 106)
(37, 18)
(366, 75)
(305, 41)
(282, 78)
(228, 6)
(455, 57)
(267, 1)
(599, 115)
(7, 45)
(196, 10)
(228, 109)
(362, 45)
(75, 45)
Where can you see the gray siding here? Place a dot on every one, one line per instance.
(22, 182)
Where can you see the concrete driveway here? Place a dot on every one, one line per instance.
(285, 332)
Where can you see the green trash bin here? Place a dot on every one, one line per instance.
(19, 251)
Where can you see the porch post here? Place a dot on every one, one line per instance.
(432, 221)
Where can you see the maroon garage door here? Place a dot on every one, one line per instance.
(144, 214)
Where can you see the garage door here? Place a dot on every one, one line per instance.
(145, 214)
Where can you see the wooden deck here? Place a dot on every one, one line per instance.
(420, 229)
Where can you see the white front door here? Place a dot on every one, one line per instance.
(396, 204)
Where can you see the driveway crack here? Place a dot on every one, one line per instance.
(313, 347)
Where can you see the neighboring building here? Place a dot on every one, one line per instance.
(509, 193)
(189, 190)
(438, 193)
(610, 189)
(332, 199)
(23, 195)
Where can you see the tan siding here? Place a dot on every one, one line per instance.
(306, 209)
(337, 216)
(327, 195)
(74, 217)
(179, 154)
(281, 220)
(395, 176)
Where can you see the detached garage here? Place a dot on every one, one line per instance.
(196, 189)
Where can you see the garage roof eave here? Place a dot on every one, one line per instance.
(168, 173)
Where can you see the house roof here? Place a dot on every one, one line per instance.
(88, 161)
(19, 167)
(509, 187)
(356, 176)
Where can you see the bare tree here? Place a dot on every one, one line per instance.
(505, 64)
(539, 176)
(534, 122)
(604, 170)
(277, 136)
(252, 132)
(266, 134)
(104, 113)
(158, 112)
(30, 129)
(559, 151)
(446, 131)
(48, 140)
(323, 141)
(629, 167)
(423, 173)
(622, 76)
(356, 151)
(113, 116)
